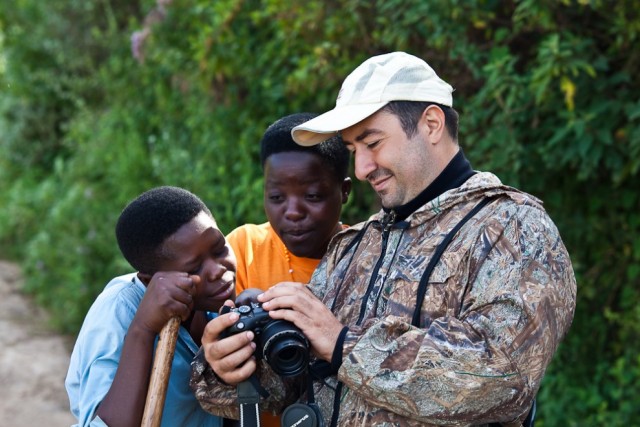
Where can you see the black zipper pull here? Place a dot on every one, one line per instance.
(387, 221)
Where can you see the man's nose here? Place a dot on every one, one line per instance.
(364, 164)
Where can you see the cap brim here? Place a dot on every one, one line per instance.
(326, 125)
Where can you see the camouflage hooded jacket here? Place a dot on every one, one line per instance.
(498, 302)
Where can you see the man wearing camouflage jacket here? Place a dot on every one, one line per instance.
(494, 302)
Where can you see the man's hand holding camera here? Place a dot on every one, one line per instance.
(232, 357)
(295, 303)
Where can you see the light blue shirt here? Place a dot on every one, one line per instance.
(97, 352)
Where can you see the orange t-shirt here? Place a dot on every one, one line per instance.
(262, 263)
(262, 259)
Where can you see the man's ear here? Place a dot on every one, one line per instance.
(346, 190)
(144, 278)
(432, 122)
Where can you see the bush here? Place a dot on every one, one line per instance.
(546, 90)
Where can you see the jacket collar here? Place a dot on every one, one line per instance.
(456, 173)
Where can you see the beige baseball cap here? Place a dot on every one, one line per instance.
(395, 76)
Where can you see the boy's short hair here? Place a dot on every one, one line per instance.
(277, 139)
(147, 221)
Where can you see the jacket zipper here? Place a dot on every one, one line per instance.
(387, 223)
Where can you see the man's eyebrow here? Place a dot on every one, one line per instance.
(366, 133)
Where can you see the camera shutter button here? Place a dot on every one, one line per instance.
(240, 325)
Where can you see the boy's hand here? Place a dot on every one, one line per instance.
(248, 296)
(231, 358)
(168, 294)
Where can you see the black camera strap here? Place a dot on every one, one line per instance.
(424, 280)
(249, 392)
(303, 415)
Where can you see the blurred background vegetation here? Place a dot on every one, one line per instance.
(103, 99)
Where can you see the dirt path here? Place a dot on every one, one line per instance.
(33, 360)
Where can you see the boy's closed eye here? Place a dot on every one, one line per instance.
(195, 271)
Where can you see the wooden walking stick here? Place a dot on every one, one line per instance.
(160, 373)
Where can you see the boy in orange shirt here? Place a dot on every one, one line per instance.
(304, 190)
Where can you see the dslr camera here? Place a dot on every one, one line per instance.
(279, 342)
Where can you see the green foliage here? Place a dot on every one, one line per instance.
(547, 92)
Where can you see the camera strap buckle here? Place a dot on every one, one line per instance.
(249, 392)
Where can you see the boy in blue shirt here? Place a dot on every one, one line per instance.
(184, 268)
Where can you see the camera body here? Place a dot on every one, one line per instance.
(279, 342)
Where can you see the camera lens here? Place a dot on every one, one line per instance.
(288, 355)
(285, 348)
